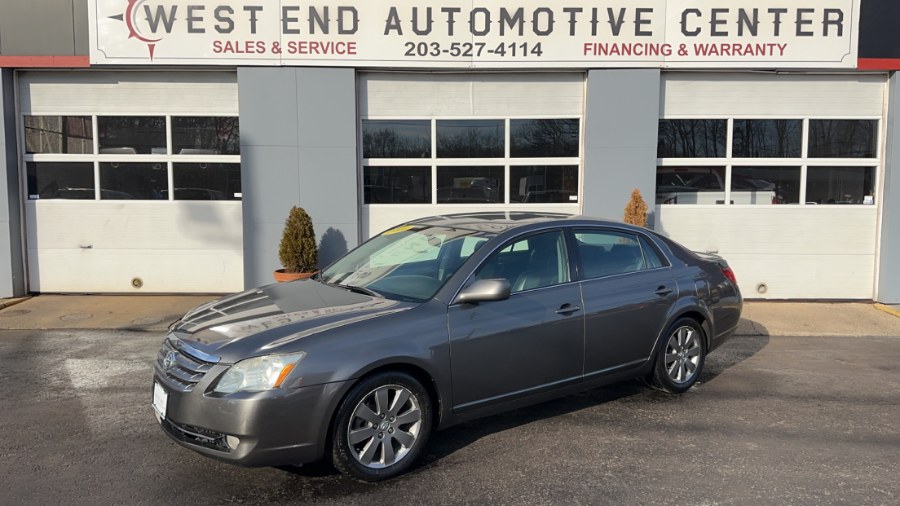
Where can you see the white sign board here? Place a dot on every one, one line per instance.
(478, 33)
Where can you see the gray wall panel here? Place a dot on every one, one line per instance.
(621, 122)
(298, 147)
(47, 27)
(267, 101)
(889, 268)
(12, 266)
(81, 27)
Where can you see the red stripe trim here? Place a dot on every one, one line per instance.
(44, 61)
(878, 64)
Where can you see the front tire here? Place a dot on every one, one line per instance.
(381, 427)
(680, 359)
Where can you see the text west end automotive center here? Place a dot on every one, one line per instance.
(156, 146)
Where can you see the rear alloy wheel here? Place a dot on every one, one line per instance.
(381, 427)
(680, 359)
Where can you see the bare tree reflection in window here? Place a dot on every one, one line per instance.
(544, 137)
(843, 138)
(396, 138)
(689, 138)
(206, 135)
(470, 138)
(754, 138)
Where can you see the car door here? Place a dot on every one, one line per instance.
(628, 290)
(532, 341)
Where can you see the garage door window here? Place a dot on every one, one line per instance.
(60, 180)
(840, 185)
(471, 161)
(59, 134)
(790, 161)
(132, 157)
(396, 138)
(132, 135)
(692, 138)
(470, 138)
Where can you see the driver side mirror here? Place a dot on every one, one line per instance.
(484, 290)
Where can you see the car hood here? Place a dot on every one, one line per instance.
(268, 319)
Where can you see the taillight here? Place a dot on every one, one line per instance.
(729, 274)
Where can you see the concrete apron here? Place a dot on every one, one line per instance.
(155, 313)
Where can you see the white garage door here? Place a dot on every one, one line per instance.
(780, 174)
(131, 181)
(454, 143)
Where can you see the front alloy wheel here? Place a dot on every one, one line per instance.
(681, 358)
(381, 427)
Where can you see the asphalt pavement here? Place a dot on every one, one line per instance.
(774, 420)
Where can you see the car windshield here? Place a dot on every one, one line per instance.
(409, 262)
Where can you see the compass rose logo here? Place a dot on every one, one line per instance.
(134, 28)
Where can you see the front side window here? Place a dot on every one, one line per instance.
(607, 253)
(537, 261)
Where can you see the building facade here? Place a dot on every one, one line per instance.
(156, 146)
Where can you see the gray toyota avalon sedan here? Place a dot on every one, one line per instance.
(432, 323)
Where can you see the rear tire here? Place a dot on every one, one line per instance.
(680, 359)
(381, 427)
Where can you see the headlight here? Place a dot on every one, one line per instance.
(258, 374)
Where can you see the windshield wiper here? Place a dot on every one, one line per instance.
(359, 289)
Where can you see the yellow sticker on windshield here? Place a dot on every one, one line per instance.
(397, 230)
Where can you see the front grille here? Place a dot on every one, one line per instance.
(186, 370)
(196, 435)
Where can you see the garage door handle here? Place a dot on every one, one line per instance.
(86, 246)
(663, 291)
(567, 309)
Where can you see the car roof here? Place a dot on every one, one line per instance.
(501, 221)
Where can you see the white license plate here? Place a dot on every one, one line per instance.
(160, 399)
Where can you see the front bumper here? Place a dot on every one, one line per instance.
(278, 427)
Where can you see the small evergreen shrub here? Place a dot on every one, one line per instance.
(636, 210)
(298, 251)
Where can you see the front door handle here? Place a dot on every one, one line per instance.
(567, 309)
(662, 291)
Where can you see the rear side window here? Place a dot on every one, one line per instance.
(607, 253)
(651, 254)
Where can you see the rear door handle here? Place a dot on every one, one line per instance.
(567, 309)
(662, 291)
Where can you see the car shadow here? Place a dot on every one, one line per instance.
(444, 443)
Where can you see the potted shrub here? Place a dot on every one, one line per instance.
(636, 210)
(298, 252)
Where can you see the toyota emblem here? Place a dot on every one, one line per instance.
(169, 361)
